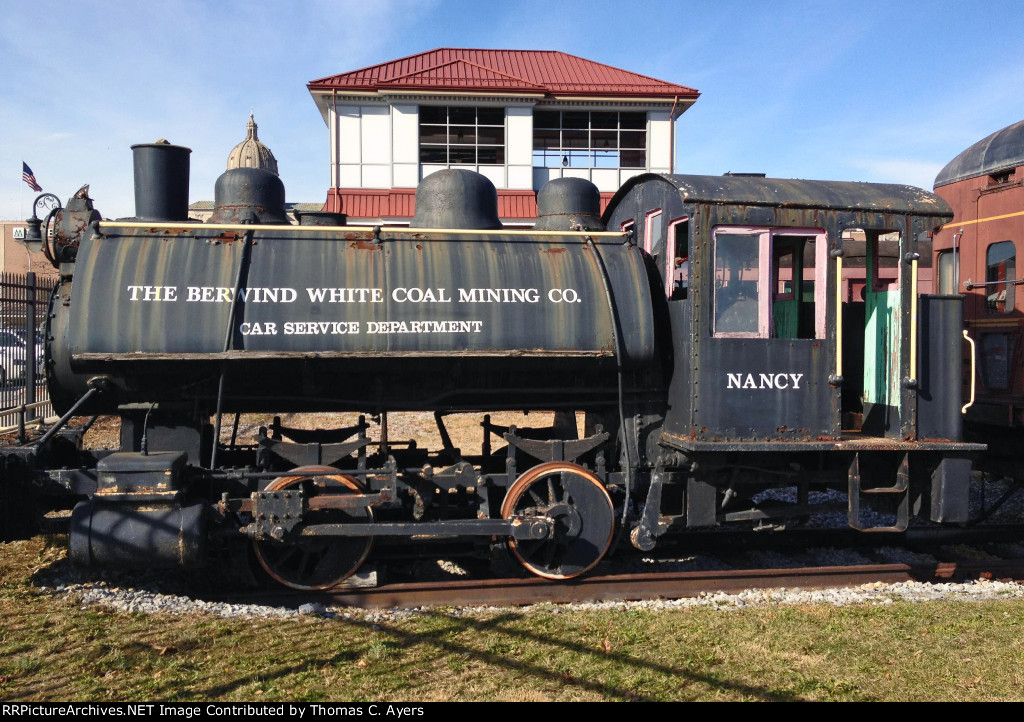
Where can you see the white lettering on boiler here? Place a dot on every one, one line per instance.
(763, 381)
(223, 294)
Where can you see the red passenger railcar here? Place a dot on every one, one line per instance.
(979, 254)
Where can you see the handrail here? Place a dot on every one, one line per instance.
(21, 426)
(912, 371)
(396, 230)
(974, 354)
(968, 284)
(839, 317)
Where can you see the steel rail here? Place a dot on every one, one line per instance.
(639, 587)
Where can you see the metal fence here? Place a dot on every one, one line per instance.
(24, 298)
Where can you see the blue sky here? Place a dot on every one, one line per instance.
(869, 91)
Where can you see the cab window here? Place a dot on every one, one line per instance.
(765, 283)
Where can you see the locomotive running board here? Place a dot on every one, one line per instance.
(859, 443)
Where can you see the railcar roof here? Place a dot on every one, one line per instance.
(1002, 150)
(792, 193)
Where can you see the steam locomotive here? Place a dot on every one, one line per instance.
(701, 330)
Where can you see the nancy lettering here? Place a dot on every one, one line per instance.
(763, 381)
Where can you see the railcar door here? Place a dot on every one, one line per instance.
(765, 368)
(873, 332)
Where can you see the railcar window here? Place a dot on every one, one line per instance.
(1000, 272)
(583, 139)
(457, 135)
(886, 259)
(677, 259)
(765, 284)
(737, 282)
(653, 232)
(796, 312)
(996, 352)
(947, 272)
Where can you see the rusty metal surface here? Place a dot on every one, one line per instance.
(793, 193)
(132, 294)
(845, 443)
(1003, 149)
(159, 298)
(723, 389)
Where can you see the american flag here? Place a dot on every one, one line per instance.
(29, 177)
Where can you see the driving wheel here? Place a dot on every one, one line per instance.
(317, 562)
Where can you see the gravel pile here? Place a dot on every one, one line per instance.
(166, 595)
(874, 593)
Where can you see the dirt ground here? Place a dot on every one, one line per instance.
(465, 429)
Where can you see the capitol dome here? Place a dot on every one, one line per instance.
(251, 153)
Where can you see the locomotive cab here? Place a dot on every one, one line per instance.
(803, 352)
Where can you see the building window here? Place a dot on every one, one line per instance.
(589, 139)
(452, 135)
(1000, 277)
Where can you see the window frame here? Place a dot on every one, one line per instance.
(1009, 300)
(768, 277)
(675, 272)
(649, 224)
(952, 258)
(450, 127)
(631, 137)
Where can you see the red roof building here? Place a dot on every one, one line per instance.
(520, 117)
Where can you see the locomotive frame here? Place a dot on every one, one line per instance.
(702, 339)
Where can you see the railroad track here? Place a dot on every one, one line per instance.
(671, 585)
(960, 555)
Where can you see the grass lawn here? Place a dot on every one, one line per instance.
(52, 649)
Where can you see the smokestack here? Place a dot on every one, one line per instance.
(161, 181)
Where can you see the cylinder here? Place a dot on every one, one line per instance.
(161, 181)
(124, 537)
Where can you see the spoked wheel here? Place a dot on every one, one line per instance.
(583, 519)
(311, 562)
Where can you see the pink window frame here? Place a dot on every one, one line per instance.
(767, 277)
(649, 226)
(670, 253)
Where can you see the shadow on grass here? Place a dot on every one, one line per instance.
(439, 640)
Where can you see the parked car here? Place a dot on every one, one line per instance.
(14, 353)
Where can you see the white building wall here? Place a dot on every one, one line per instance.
(519, 147)
(375, 146)
(378, 147)
(405, 144)
(659, 141)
